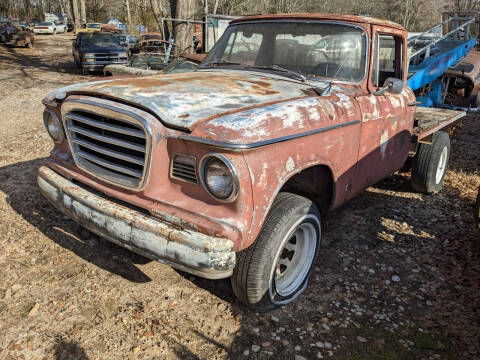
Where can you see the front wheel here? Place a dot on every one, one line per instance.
(430, 163)
(275, 269)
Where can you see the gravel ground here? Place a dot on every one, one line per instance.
(398, 276)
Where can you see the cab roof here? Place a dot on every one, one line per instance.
(322, 16)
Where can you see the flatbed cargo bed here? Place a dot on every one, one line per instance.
(430, 120)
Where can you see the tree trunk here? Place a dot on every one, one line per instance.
(83, 12)
(183, 31)
(68, 9)
(76, 17)
(129, 16)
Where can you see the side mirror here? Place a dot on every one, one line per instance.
(395, 86)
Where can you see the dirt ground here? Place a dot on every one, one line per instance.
(398, 276)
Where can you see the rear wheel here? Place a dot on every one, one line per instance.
(430, 163)
(275, 269)
(54, 32)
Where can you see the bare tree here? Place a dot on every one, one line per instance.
(83, 12)
(129, 16)
(76, 18)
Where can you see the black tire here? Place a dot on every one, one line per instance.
(255, 280)
(30, 45)
(426, 164)
(54, 32)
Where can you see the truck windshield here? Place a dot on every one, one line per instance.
(102, 40)
(315, 50)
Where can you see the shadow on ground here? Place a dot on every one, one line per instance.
(360, 225)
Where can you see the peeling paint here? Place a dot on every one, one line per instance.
(289, 165)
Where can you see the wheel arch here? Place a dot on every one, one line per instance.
(299, 182)
(315, 182)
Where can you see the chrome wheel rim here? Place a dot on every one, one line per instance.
(442, 164)
(295, 259)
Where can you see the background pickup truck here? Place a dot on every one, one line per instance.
(228, 171)
(92, 51)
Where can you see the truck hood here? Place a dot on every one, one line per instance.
(186, 100)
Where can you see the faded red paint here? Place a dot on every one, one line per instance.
(331, 17)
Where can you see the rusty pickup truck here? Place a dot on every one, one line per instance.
(228, 171)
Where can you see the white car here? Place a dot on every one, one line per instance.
(61, 26)
(49, 27)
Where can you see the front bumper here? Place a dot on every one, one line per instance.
(193, 252)
(98, 66)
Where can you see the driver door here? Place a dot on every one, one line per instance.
(386, 119)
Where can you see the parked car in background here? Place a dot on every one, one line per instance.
(6, 31)
(93, 51)
(45, 27)
(150, 64)
(132, 41)
(61, 26)
(20, 24)
(89, 27)
(21, 38)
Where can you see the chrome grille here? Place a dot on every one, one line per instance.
(111, 147)
(107, 58)
(183, 168)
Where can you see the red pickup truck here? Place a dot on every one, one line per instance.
(228, 171)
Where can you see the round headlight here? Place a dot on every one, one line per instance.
(53, 126)
(219, 177)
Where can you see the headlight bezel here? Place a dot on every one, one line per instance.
(202, 172)
(59, 124)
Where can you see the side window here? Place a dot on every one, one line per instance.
(387, 59)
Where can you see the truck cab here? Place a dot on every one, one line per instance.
(93, 51)
(229, 171)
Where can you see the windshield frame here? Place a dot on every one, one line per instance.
(309, 21)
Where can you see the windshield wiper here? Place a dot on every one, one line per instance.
(282, 69)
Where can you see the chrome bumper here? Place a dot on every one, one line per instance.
(199, 254)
